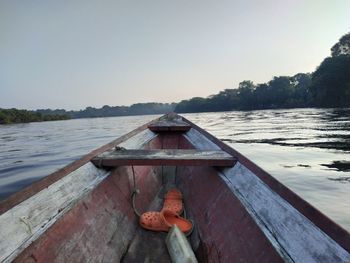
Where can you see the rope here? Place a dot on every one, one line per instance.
(178, 146)
(163, 180)
(184, 214)
(134, 193)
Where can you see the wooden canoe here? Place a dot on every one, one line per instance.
(84, 212)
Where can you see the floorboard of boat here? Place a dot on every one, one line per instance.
(148, 246)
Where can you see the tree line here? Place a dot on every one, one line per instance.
(328, 86)
(113, 111)
(8, 116)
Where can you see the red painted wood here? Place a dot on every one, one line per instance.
(225, 228)
(99, 227)
(170, 140)
(86, 232)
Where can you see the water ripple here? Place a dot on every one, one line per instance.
(31, 151)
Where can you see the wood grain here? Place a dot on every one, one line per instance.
(28, 220)
(166, 125)
(164, 157)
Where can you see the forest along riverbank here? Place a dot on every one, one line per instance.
(306, 149)
(8, 116)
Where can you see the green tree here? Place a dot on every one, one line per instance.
(342, 47)
(196, 104)
(264, 96)
(301, 96)
(331, 82)
(281, 90)
(246, 95)
(223, 101)
(8, 116)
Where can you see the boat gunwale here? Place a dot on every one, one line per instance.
(323, 222)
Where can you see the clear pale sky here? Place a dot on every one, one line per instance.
(73, 54)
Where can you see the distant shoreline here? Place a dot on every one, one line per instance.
(13, 116)
(45, 118)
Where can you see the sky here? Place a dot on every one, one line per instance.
(78, 53)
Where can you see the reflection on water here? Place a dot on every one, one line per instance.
(306, 149)
(343, 166)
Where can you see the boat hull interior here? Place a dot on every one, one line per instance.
(102, 227)
(86, 213)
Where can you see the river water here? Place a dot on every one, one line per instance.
(308, 150)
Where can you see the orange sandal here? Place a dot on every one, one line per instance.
(173, 201)
(164, 220)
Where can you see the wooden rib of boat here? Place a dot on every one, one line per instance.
(84, 212)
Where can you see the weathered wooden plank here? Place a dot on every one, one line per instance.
(24, 223)
(294, 236)
(139, 140)
(169, 125)
(100, 227)
(200, 141)
(164, 157)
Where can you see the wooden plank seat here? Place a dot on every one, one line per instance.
(168, 157)
(169, 125)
